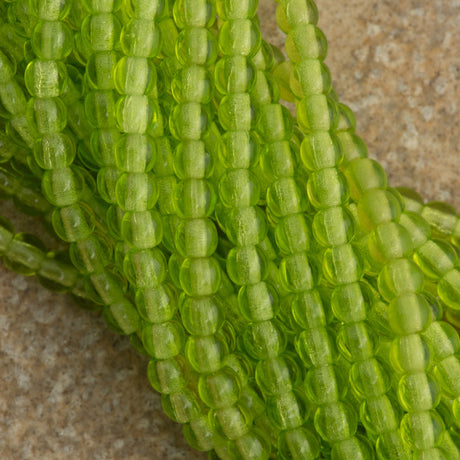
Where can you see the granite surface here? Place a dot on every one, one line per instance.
(71, 389)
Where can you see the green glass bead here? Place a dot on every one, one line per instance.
(442, 339)
(292, 234)
(191, 13)
(145, 268)
(13, 102)
(149, 10)
(265, 92)
(193, 160)
(325, 384)
(135, 153)
(99, 70)
(336, 421)
(239, 188)
(410, 353)
(47, 115)
(73, 223)
(296, 12)
(100, 109)
(8, 68)
(101, 31)
(239, 37)
(307, 310)
(25, 254)
(449, 289)
(285, 197)
(103, 143)
(398, 277)
(54, 151)
(196, 46)
(316, 347)
(49, 10)
(370, 378)
(206, 354)
(134, 75)
(355, 447)
(245, 226)
(246, 265)
(409, 314)
(239, 149)
(200, 277)
(194, 198)
(61, 187)
(192, 84)
(232, 422)
(317, 113)
(275, 123)
(418, 392)
(157, 305)
(258, 302)
(120, 315)
(142, 229)
(435, 258)
(196, 238)
(182, 407)
(200, 434)
(390, 444)
(107, 179)
(326, 188)
(136, 191)
(320, 150)
(52, 40)
(310, 76)
(417, 227)
(235, 112)
(288, 410)
(357, 341)
(190, 122)
(298, 444)
(136, 113)
(163, 341)
(297, 274)
(234, 74)
(277, 160)
(342, 264)
(447, 373)
(276, 375)
(167, 376)
(351, 302)
(422, 430)
(202, 316)
(306, 41)
(333, 226)
(236, 10)
(101, 6)
(220, 389)
(264, 340)
(90, 255)
(379, 414)
(363, 174)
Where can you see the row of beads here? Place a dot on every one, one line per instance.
(334, 230)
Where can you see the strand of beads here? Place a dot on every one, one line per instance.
(333, 229)
(54, 152)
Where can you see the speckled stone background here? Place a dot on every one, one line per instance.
(71, 389)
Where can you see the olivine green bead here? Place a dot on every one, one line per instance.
(235, 112)
(320, 150)
(342, 264)
(219, 389)
(194, 13)
(90, 255)
(49, 10)
(54, 151)
(379, 414)
(196, 238)
(239, 188)
(326, 188)
(306, 41)
(318, 82)
(206, 354)
(246, 265)
(101, 6)
(194, 198)
(447, 373)
(297, 274)
(275, 123)
(418, 392)
(136, 113)
(351, 302)
(417, 227)
(422, 430)
(107, 178)
(200, 277)
(410, 353)
(140, 38)
(277, 161)
(100, 109)
(163, 341)
(275, 375)
(292, 234)
(258, 302)
(449, 289)
(357, 341)
(7, 68)
(61, 187)
(201, 316)
(142, 229)
(200, 434)
(316, 347)
(193, 160)
(296, 12)
(145, 268)
(398, 277)
(167, 376)
(333, 226)
(157, 305)
(266, 92)
(239, 149)
(190, 122)
(120, 314)
(235, 74)
(182, 406)
(13, 100)
(232, 422)
(435, 258)
(285, 197)
(336, 421)
(442, 339)
(239, 37)
(135, 153)
(390, 444)
(325, 384)
(52, 40)
(192, 84)
(149, 10)
(196, 46)
(363, 174)
(134, 75)
(136, 191)
(101, 31)
(73, 223)
(103, 143)
(307, 310)
(25, 254)
(317, 113)
(409, 313)
(298, 444)
(441, 216)
(264, 340)
(48, 115)
(355, 447)
(245, 226)
(288, 410)
(370, 378)
(236, 10)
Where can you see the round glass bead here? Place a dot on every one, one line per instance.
(133, 152)
(435, 258)
(319, 81)
(136, 191)
(219, 389)
(336, 421)
(288, 410)
(274, 123)
(73, 223)
(136, 113)
(206, 354)
(54, 151)
(370, 378)
(306, 41)
(145, 268)
(317, 113)
(352, 302)
(380, 414)
(141, 38)
(246, 265)
(134, 75)
(264, 340)
(292, 234)
(285, 197)
(297, 274)
(52, 40)
(157, 305)
(409, 313)
(236, 10)
(307, 310)
(239, 188)
(442, 339)
(320, 150)
(418, 392)
(192, 84)
(194, 198)
(245, 226)
(239, 149)
(234, 74)
(142, 229)
(201, 316)
(190, 121)
(298, 444)
(50, 10)
(325, 384)
(101, 31)
(333, 226)
(326, 188)
(199, 433)
(235, 113)
(196, 46)
(100, 109)
(182, 407)
(277, 161)
(410, 353)
(163, 341)
(232, 422)
(342, 264)
(357, 341)
(258, 302)
(422, 430)
(363, 174)
(167, 375)
(316, 347)
(239, 37)
(200, 277)
(449, 289)
(196, 238)
(276, 375)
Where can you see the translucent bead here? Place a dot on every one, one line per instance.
(265, 92)
(276, 375)
(91, 254)
(264, 340)
(136, 191)
(316, 347)
(336, 421)
(236, 10)
(100, 109)
(320, 150)
(357, 341)
(246, 265)
(163, 341)
(364, 174)
(202, 316)
(136, 113)
(192, 84)
(142, 229)
(319, 82)
(422, 430)
(199, 433)
(325, 384)
(370, 378)
(239, 37)
(417, 227)
(298, 444)
(101, 6)
(200, 277)
(190, 122)
(306, 41)
(418, 392)
(235, 112)
(447, 373)
(342, 265)
(238, 149)
(284, 197)
(297, 274)
(133, 152)
(292, 234)
(134, 75)
(233, 422)
(50, 10)
(54, 151)
(326, 188)
(196, 46)
(295, 13)
(288, 410)
(61, 187)
(194, 198)
(390, 444)
(352, 302)
(277, 160)
(246, 226)
(196, 238)
(358, 447)
(239, 188)
(147, 9)
(275, 123)
(333, 226)
(220, 389)
(206, 354)
(157, 305)
(167, 376)
(140, 38)
(182, 407)
(409, 314)
(73, 223)
(380, 414)
(52, 40)
(101, 31)
(449, 289)
(307, 310)
(436, 258)
(25, 254)
(120, 315)
(410, 353)
(194, 13)
(398, 277)
(317, 113)
(442, 339)
(258, 302)
(235, 74)
(145, 268)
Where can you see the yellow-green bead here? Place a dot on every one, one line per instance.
(239, 37)
(325, 384)
(101, 31)
(200, 277)
(194, 198)
(436, 257)
(194, 13)
(232, 422)
(54, 151)
(157, 305)
(196, 238)
(358, 447)
(235, 74)
(298, 444)
(363, 174)
(206, 354)
(292, 234)
(192, 84)
(287, 411)
(73, 223)
(100, 109)
(142, 229)
(336, 421)
(357, 341)
(61, 187)
(258, 302)
(239, 188)
(422, 430)
(196, 46)
(326, 188)
(202, 315)
(417, 227)
(182, 407)
(317, 113)
(264, 340)
(246, 265)
(449, 289)
(220, 389)
(442, 339)
(285, 197)
(351, 302)
(50, 10)
(342, 264)
(447, 374)
(380, 414)
(321, 150)
(277, 160)
(167, 376)
(52, 40)
(134, 75)
(307, 310)
(190, 121)
(275, 123)
(276, 375)
(145, 268)
(200, 434)
(235, 112)
(391, 444)
(136, 113)
(316, 347)
(333, 226)
(239, 149)
(236, 10)
(163, 341)
(418, 392)
(297, 273)
(410, 353)
(310, 76)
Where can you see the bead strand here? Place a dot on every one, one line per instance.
(333, 229)
(54, 152)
